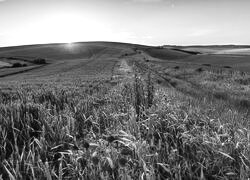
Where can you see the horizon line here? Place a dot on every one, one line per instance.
(187, 45)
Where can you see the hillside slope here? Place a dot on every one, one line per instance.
(166, 54)
(87, 59)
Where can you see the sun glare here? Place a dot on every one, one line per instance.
(63, 28)
(70, 46)
(68, 27)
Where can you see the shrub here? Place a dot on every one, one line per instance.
(15, 65)
(199, 70)
(40, 61)
(243, 81)
(177, 67)
(221, 95)
(244, 103)
(206, 65)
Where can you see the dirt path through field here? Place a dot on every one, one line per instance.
(123, 70)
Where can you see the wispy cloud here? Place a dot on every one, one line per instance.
(148, 1)
(202, 32)
(166, 2)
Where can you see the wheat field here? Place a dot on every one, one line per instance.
(120, 115)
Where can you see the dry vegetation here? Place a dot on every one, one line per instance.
(129, 131)
(159, 123)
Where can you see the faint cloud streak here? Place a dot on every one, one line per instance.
(201, 32)
(148, 1)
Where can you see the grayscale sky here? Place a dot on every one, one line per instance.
(152, 22)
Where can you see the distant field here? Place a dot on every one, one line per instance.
(234, 57)
(230, 49)
(240, 51)
(241, 63)
(166, 54)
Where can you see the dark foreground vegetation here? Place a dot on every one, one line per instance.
(133, 130)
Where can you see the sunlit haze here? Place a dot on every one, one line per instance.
(152, 22)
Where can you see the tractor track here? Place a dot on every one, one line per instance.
(194, 90)
(184, 86)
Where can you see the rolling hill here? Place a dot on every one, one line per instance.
(88, 60)
(78, 59)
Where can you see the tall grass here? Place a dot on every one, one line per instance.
(133, 130)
